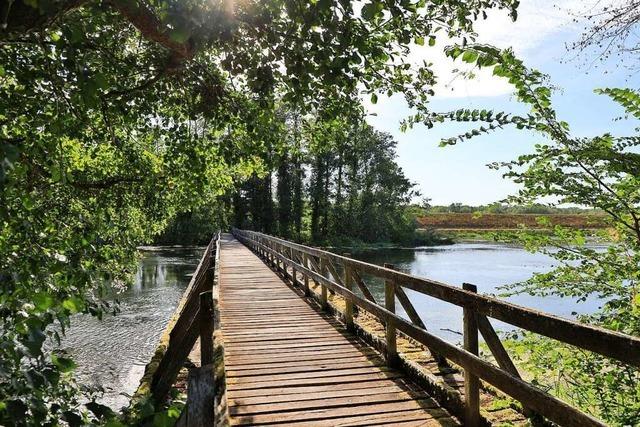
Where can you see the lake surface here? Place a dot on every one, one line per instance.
(486, 265)
(112, 353)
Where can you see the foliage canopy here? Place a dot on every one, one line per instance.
(117, 115)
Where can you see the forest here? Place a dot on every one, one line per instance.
(124, 123)
(328, 183)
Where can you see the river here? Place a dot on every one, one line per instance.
(112, 353)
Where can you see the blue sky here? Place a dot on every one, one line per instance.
(539, 37)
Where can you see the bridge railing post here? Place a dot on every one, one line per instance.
(471, 381)
(294, 276)
(305, 260)
(323, 288)
(206, 328)
(271, 256)
(390, 328)
(348, 304)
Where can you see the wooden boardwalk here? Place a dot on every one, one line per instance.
(288, 363)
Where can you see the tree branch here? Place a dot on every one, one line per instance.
(20, 18)
(145, 20)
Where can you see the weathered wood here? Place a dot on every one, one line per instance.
(185, 330)
(348, 310)
(538, 400)
(609, 343)
(390, 329)
(323, 287)
(200, 397)
(206, 328)
(492, 340)
(408, 307)
(306, 368)
(498, 351)
(471, 381)
(305, 259)
(334, 272)
(362, 286)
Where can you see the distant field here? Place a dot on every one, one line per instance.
(468, 221)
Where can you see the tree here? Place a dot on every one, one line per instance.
(610, 30)
(601, 172)
(117, 116)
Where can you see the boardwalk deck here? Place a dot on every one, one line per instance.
(289, 363)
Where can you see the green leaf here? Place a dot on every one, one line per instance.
(63, 363)
(369, 11)
(43, 301)
(34, 341)
(374, 98)
(73, 304)
(432, 41)
(470, 56)
(419, 41)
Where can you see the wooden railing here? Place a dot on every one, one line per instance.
(192, 318)
(339, 274)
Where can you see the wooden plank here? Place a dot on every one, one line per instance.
(200, 397)
(362, 286)
(276, 398)
(286, 361)
(369, 399)
(310, 390)
(390, 329)
(471, 381)
(540, 401)
(332, 413)
(625, 348)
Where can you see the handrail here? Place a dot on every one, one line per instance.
(183, 328)
(622, 347)
(618, 346)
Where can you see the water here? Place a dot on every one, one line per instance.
(486, 265)
(112, 353)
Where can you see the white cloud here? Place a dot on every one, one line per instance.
(538, 21)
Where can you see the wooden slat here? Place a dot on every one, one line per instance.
(540, 401)
(286, 361)
(625, 348)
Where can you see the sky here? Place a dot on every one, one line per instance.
(539, 37)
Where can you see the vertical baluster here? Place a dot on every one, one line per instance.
(294, 278)
(305, 260)
(471, 382)
(390, 328)
(323, 288)
(348, 309)
(206, 328)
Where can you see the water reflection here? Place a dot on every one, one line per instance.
(112, 353)
(486, 265)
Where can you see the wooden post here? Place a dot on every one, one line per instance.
(200, 397)
(390, 328)
(294, 278)
(206, 328)
(323, 288)
(305, 260)
(471, 382)
(348, 309)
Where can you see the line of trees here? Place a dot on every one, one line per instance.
(324, 181)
